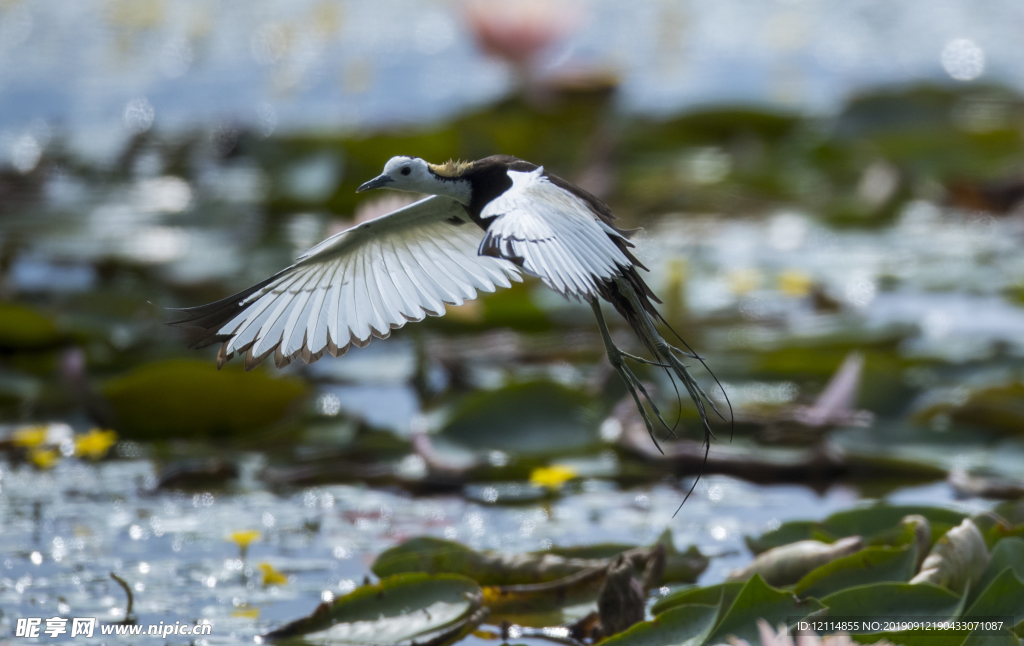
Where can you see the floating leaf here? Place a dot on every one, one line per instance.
(790, 563)
(1004, 637)
(957, 560)
(786, 533)
(536, 418)
(186, 398)
(397, 609)
(434, 555)
(896, 600)
(919, 637)
(1003, 597)
(757, 600)
(1007, 554)
(869, 521)
(687, 625)
(870, 565)
(723, 593)
(532, 598)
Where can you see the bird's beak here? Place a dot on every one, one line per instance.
(376, 182)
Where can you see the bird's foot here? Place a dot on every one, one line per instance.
(617, 358)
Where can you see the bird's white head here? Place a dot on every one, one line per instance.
(414, 175)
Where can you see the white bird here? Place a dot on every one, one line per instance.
(485, 224)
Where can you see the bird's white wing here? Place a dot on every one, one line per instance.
(553, 234)
(360, 283)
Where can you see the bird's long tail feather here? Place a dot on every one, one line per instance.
(631, 298)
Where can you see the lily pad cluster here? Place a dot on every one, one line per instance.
(865, 566)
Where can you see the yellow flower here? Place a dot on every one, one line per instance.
(95, 444)
(243, 538)
(30, 436)
(43, 458)
(795, 283)
(552, 477)
(743, 281)
(272, 576)
(248, 612)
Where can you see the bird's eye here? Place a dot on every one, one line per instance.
(406, 170)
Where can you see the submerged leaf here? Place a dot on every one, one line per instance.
(397, 609)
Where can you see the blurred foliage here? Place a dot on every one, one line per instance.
(192, 399)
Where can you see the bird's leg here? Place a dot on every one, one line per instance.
(617, 358)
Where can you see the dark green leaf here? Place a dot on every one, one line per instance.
(757, 600)
(1008, 553)
(397, 609)
(186, 398)
(895, 600)
(1001, 638)
(871, 565)
(537, 418)
(687, 625)
(1003, 597)
(723, 593)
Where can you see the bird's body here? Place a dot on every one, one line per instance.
(485, 224)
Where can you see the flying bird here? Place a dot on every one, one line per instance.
(484, 224)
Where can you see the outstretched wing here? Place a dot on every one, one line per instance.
(553, 234)
(362, 282)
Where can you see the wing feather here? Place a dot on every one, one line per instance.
(553, 234)
(360, 283)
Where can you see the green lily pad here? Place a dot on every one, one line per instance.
(868, 521)
(919, 637)
(435, 555)
(870, 565)
(687, 625)
(1003, 597)
(529, 419)
(397, 609)
(895, 600)
(1007, 554)
(192, 399)
(758, 600)
(723, 593)
(999, 638)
